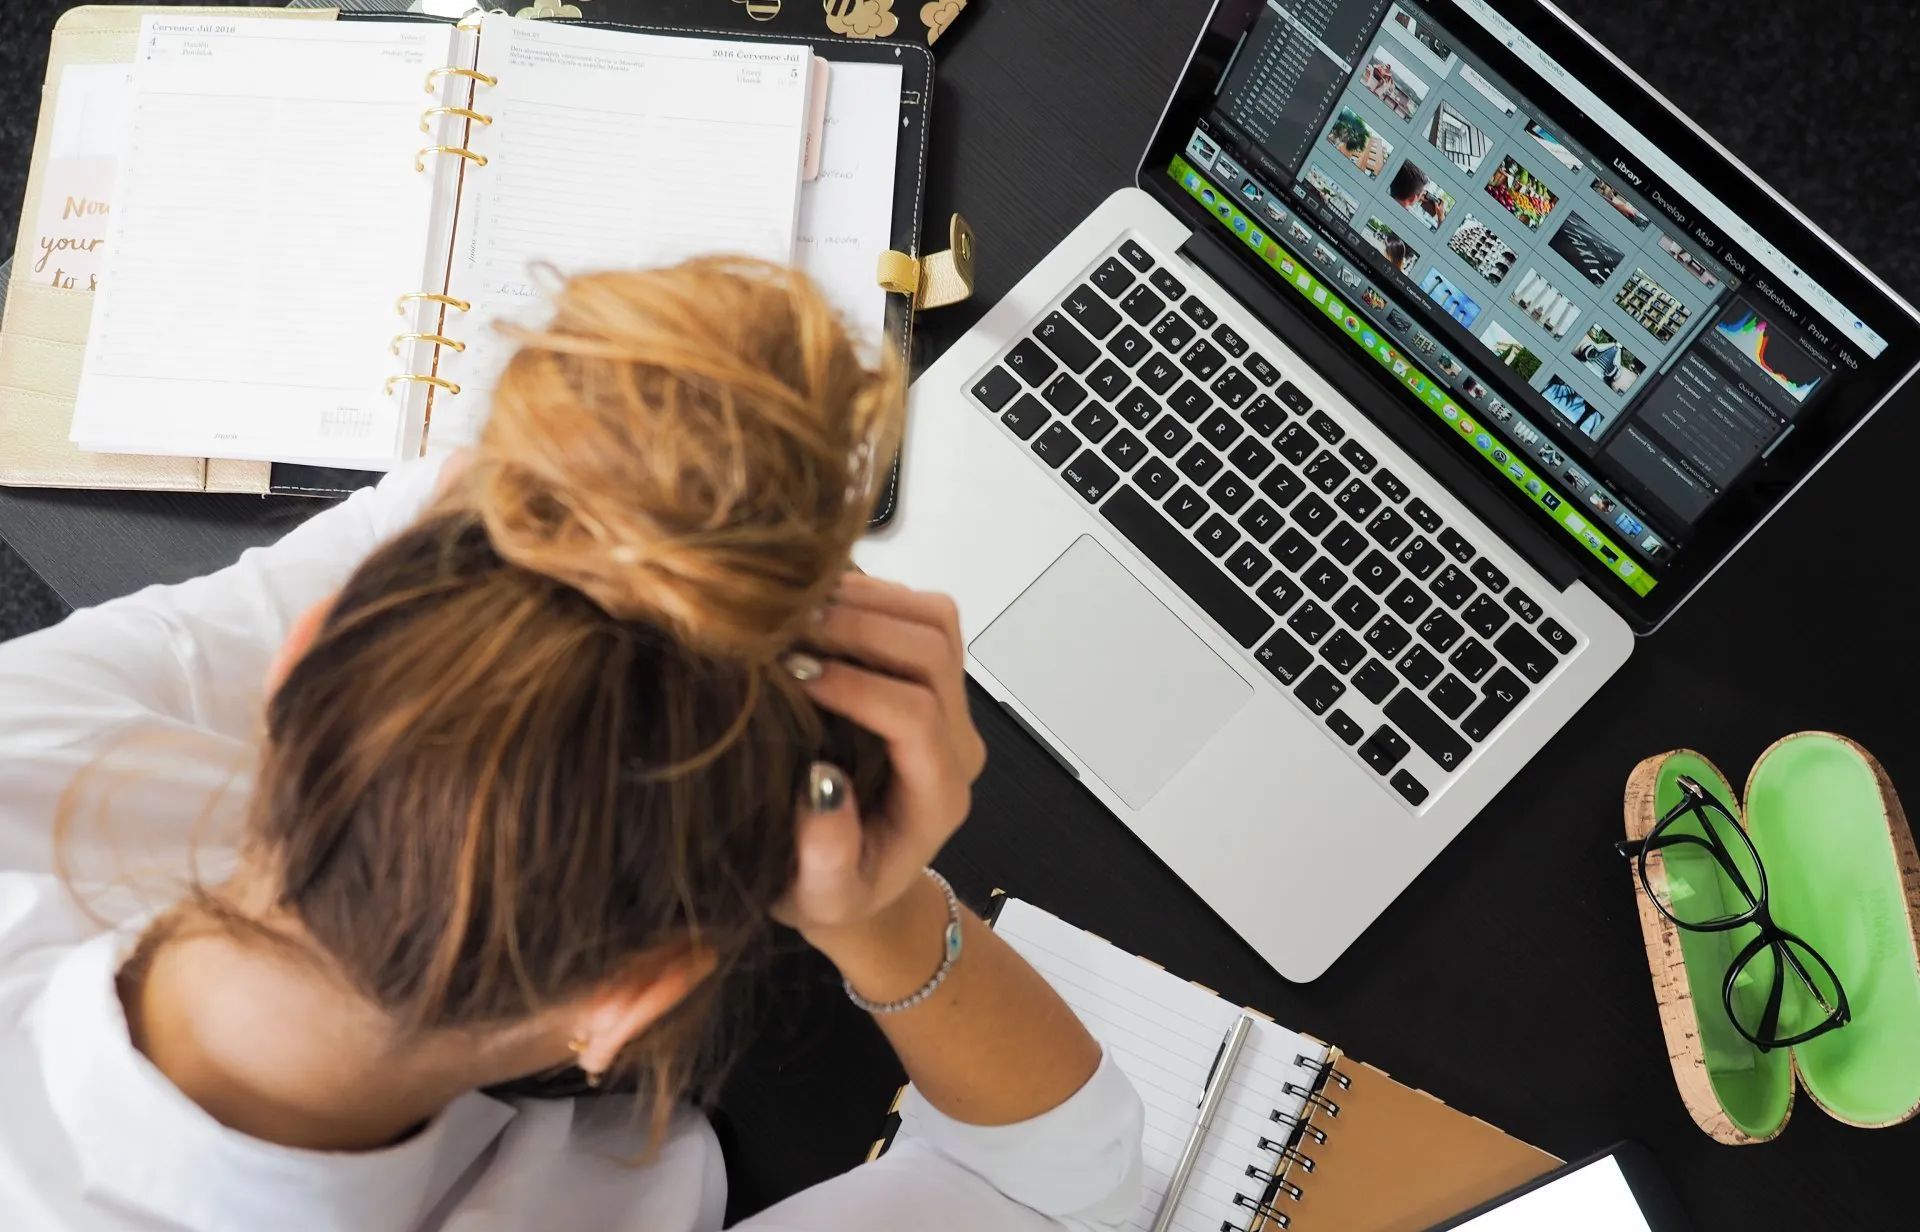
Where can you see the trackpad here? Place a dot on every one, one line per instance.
(1103, 663)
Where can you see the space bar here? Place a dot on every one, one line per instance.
(1190, 569)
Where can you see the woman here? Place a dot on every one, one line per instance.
(511, 753)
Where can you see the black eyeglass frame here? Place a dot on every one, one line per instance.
(1698, 800)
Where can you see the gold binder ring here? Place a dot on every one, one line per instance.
(464, 112)
(431, 297)
(434, 75)
(443, 383)
(420, 157)
(435, 339)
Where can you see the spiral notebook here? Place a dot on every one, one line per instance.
(1304, 1138)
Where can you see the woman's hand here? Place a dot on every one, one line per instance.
(895, 665)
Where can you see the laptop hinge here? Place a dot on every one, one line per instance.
(1374, 396)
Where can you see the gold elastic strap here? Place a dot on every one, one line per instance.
(443, 383)
(420, 157)
(435, 339)
(432, 297)
(464, 112)
(434, 76)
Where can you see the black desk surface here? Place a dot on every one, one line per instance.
(1510, 979)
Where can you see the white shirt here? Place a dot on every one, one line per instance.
(158, 696)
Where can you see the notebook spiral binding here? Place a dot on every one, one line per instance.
(1289, 1154)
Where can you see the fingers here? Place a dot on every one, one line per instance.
(828, 851)
(932, 772)
(912, 634)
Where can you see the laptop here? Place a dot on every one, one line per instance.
(1306, 489)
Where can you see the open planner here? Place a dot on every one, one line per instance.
(1302, 1138)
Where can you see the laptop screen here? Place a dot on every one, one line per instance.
(1624, 351)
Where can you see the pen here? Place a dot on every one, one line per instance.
(1209, 1103)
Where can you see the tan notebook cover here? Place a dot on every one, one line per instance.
(44, 330)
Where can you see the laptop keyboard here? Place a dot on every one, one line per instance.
(1374, 615)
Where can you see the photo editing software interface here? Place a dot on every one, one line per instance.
(1620, 348)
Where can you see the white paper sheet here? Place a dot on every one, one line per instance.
(846, 213)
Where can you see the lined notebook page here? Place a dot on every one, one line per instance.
(1165, 1032)
(608, 150)
(267, 215)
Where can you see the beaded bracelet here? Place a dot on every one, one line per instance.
(949, 955)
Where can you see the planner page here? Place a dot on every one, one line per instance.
(610, 149)
(267, 214)
(1166, 1033)
(846, 212)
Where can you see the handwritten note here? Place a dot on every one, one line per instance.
(90, 126)
(846, 214)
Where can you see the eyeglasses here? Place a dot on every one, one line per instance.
(1699, 868)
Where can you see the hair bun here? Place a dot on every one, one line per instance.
(697, 446)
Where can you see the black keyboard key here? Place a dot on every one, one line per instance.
(1113, 277)
(1453, 587)
(1555, 636)
(1251, 458)
(1421, 558)
(1199, 464)
(1026, 416)
(1190, 402)
(1136, 256)
(1186, 506)
(1155, 478)
(1280, 592)
(1129, 346)
(1356, 454)
(1452, 696)
(1230, 342)
(1261, 521)
(1323, 578)
(1344, 543)
(1523, 606)
(1374, 680)
(1249, 564)
(1203, 359)
(1326, 472)
(996, 388)
(1169, 436)
(1091, 310)
(1389, 529)
(1390, 486)
(1472, 659)
(1172, 332)
(1234, 387)
(1064, 394)
(1489, 577)
(1409, 788)
(1158, 374)
(1388, 636)
(1056, 444)
(1320, 690)
(1202, 315)
(1439, 630)
(1265, 416)
(1311, 622)
(1221, 430)
(1262, 369)
(1420, 667)
(1343, 652)
(1408, 601)
(1498, 698)
(1313, 514)
(1376, 573)
(1201, 579)
(1357, 501)
(1423, 515)
(1217, 536)
(1526, 652)
(1293, 550)
(1455, 545)
(1137, 407)
(1383, 750)
(1343, 727)
(1284, 657)
(1230, 492)
(1484, 616)
(1433, 734)
(1356, 607)
(1281, 485)
(1095, 422)
(1295, 398)
(1090, 477)
(1030, 363)
(1325, 428)
(1167, 284)
(1295, 444)
(1124, 450)
(1142, 305)
(1108, 380)
(1065, 340)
